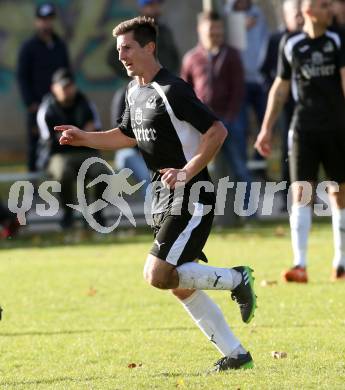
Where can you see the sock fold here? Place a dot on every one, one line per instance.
(210, 320)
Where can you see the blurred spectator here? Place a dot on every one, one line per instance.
(167, 50)
(338, 8)
(65, 104)
(215, 71)
(293, 21)
(9, 224)
(253, 56)
(39, 57)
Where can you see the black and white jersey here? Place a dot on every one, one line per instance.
(167, 121)
(313, 65)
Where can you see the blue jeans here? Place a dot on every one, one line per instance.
(132, 159)
(256, 99)
(234, 152)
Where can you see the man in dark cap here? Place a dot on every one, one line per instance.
(66, 104)
(39, 57)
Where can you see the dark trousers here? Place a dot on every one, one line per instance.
(32, 141)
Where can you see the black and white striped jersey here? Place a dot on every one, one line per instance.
(167, 121)
(313, 65)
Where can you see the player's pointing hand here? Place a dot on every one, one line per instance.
(71, 135)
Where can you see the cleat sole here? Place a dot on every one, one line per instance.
(251, 281)
(247, 365)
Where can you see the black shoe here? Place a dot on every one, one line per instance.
(228, 363)
(244, 294)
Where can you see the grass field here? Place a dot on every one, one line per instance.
(79, 316)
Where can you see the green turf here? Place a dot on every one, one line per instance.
(75, 317)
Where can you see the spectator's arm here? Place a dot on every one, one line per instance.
(66, 58)
(186, 70)
(24, 78)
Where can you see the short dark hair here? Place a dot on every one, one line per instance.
(144, 29)
(209, 16)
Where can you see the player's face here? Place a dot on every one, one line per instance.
(132, 55)
(211, 34)
(321, 12)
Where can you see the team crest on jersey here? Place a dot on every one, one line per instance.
(328, 48)
(317, 58)
(138, 116)
(151, 102)
(303, 48)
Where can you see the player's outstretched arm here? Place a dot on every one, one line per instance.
(277, 97)
(105, 140)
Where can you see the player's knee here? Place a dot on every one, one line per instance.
(182, 293)
(157, 279)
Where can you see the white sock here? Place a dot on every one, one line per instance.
(209, 318)
(338, 223)
(300, 223)
(204, 277)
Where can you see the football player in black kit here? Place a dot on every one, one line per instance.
(312, 62)
(177, 136)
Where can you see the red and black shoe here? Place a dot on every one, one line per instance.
(296, 274)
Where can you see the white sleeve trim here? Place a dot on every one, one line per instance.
(289, 45)
(188, 135)
(41, 121)
(335, 37)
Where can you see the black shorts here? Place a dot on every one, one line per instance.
(180, 238)
(307, 150)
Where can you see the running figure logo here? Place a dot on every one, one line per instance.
(117, 185)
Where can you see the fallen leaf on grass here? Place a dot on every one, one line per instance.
(278, 355)
(280, 231)
(134, 365)
(91, 292)
(268, 283)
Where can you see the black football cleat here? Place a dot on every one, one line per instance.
(243, 361)
(244, 294)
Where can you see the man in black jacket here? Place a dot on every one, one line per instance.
(39, 57)
(65, 104)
